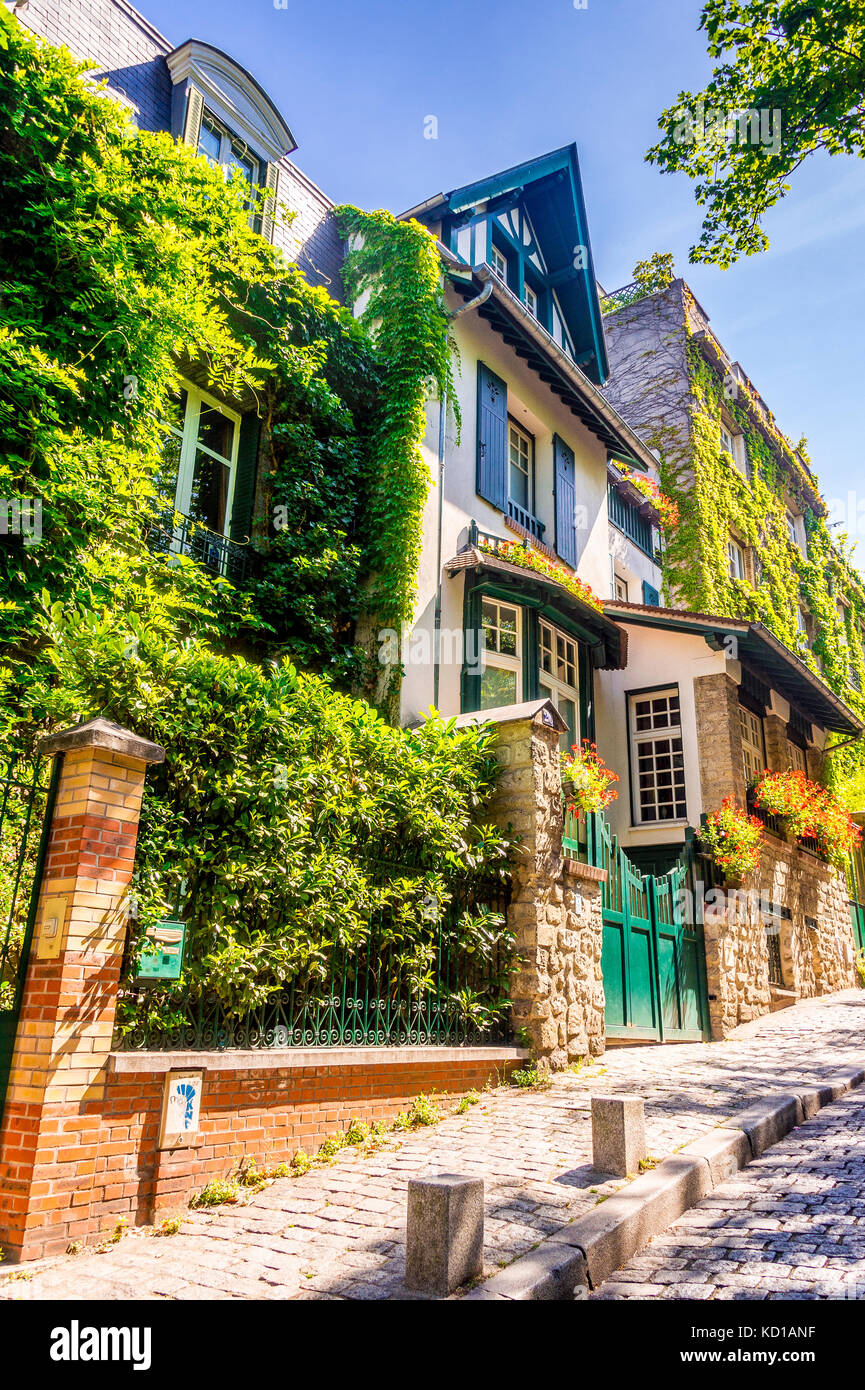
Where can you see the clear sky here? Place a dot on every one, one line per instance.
(508, 80)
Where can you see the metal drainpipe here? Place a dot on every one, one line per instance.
(443, 405)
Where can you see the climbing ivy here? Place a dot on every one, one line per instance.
(397, 265)
(714, 500)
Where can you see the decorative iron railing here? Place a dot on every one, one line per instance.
(368, 997)
(172, 533)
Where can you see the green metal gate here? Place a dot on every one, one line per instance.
(856, 887)
(653, 961)
(26, 802)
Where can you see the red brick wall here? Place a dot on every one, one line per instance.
(106, 1163)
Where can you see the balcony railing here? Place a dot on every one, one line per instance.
(776, 825)
(526, 520)
(628, 520)
(172, 533)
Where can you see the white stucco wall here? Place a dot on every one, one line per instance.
(633, 565)
(542, 413)
(656, 659)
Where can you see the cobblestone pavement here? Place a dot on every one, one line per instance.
(337, 1232)
(790, 1226)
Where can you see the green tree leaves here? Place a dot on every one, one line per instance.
(803, 61)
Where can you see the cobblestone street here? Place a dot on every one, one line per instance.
(337, 1232)
(789, 1226)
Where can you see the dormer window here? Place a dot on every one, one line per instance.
(218, 109)
(226, 153)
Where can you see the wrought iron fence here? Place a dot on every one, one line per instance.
(367, 998)
(773, 946)
(25, 797)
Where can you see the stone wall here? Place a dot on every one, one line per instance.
(558, 994)
(815, 934)
(816, 940)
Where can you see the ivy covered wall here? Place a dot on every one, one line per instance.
(671, 381)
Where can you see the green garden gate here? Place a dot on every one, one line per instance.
(856, 887)
(26, 802)
(653, 961)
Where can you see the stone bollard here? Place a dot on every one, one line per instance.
(618, 1134)
(444, 1233)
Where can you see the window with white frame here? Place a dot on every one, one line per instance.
(199, 459)
(226, 152)
(733, 445)
(620, 587)
(499, 264)
(735, 559)
(657, 756)
(531, 301)
(501, 678)
(793, 528)
(520, 451)
(753, 745)
(560, 678)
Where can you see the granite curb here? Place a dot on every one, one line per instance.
(583, 1254)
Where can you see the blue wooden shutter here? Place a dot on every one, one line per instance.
(651, 597)
(566, 501)
(492, 471)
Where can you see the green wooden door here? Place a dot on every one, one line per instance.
(653, 958)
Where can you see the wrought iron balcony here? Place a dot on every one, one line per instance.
(172, 533)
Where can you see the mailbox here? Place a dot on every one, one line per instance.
(161, 955)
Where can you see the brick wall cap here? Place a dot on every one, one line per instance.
(292, 1058)
(575, 868)
(101, 733)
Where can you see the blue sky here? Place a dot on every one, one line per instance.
(506, 81)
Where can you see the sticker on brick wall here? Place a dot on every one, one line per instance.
(181, 1107)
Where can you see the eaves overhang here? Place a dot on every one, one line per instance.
(608, 641)
(520, 330)
(767, 654)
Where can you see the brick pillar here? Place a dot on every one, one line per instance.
(557, 996)
(48, 1157)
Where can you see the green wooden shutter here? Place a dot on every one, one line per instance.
(564, 474)
(492, 468)
(651, 597)
(244, 482)
(271, 185)
(192, 120)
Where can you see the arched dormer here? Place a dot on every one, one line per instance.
(220, 109)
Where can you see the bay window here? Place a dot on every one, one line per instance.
(560, 678)
(501, 667)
